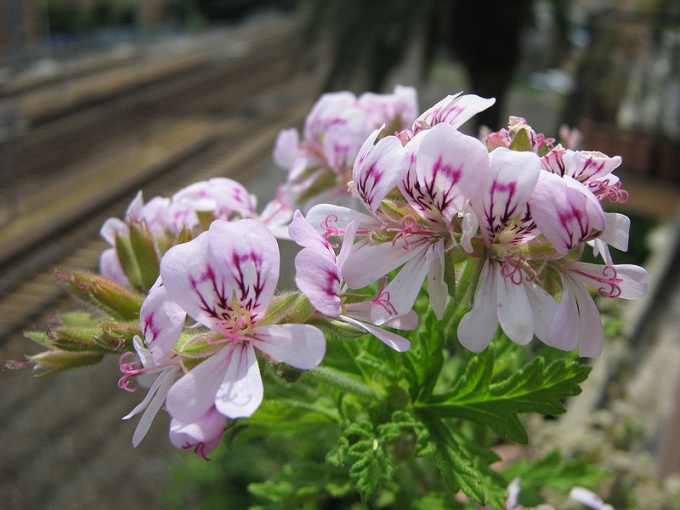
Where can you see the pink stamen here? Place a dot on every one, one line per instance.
(409, 225)
(603, 189)
(329, 230)
(609, 281)
(384, 299)
(132, 369)
(517, 270)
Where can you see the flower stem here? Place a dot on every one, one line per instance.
(340, 382)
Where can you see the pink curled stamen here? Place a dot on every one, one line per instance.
(383, 299)
(409, 226)
(517, 270)
(129, 369)
(610, 283)
(613, 192)
(330, 230)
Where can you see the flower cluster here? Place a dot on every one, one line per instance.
(494, 226)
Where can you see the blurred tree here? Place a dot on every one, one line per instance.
(373, 37)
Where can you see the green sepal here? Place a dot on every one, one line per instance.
(70, 338)
(106, 295)
(54, 361)
(293, 307)
(197, 346)
(145, 253)
(521, 142)
(128, 262)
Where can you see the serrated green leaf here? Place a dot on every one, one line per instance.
(537, 388)
(464, 465)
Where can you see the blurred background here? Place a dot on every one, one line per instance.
(99, 98)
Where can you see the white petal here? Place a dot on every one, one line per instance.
(194, 393)
(153, 405)
(393, 340)
(543, 309)
(404, 288)
(299, 345)
(325, 216)
(162, 321)
(371, 261)
(454, 110)
(590, 324)
(437, 288)
(514, 310)
(564, 332)
(478, 327)
(616, 230)
(304, 234)
(286, 148)
(240, 392)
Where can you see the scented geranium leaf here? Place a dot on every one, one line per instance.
(538, 387)
(425, 359)
(302, 484)
(463, 464)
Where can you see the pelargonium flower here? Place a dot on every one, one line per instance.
(507, 293)
(225, 280)
(162, 321)
(319, 277)
(320, 164)
(202, 435)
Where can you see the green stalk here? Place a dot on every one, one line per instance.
(340, 382)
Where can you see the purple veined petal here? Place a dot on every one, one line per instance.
(450, 169)
(454, 110)
(553, 161)
(286, 148)
(330, 219)
(401, 293)
(110, 268)
(437, 288)
(318, 277)
(246, 256)
(204, 433)
(299, 345)
(302, 232)
(379, 168)
(564, 332)
(191, 280)
(543, 309)
(221, 196)
(162, 321)
(392, 340)
(514, 310)
(341, 144)
(566, 212)
(370, 262)
(380, 109)
(512, 178)
(585, 166)
(332, 108)
(591, 335)
(155, 398)
(194, 393)
(240, 392)
(478, 327)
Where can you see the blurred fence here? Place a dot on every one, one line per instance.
(627, 91)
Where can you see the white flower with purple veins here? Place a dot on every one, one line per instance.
(591, 168)
(568, 215)
(437, 172)
(319, 277)
(162, 321)
(507, 293)
(225, 280)
(223, 198)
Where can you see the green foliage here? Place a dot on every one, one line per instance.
(537, 388)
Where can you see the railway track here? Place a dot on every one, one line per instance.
(216, 117)
(63, 443)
